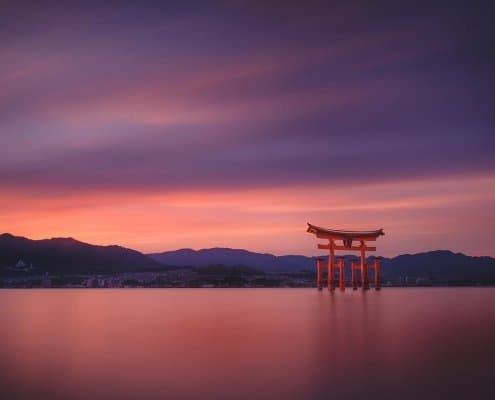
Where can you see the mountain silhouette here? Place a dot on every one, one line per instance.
(436, 265)
(231, 257)
(69, 256)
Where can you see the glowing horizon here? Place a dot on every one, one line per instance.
(266, 220)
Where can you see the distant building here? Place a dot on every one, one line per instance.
(46, 281)
(423, 282)
(92, 282)
(21, 264)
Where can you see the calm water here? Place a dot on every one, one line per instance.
(247, 343)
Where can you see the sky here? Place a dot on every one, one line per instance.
(232, 124)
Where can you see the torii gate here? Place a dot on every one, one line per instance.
(347, 238)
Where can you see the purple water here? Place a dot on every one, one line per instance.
(428, 343)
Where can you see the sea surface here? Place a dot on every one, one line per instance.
(431, 343)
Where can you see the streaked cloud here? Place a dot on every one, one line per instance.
(246, 111)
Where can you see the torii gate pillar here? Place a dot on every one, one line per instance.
(319, 269)
(364, 267)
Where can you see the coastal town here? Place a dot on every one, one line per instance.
(208, 277)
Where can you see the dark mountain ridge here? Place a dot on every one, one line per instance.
(230, 257)
(70, 256)
(437, 264)
(441, 264)
(67, 255)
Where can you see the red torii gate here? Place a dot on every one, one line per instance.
(347, 238)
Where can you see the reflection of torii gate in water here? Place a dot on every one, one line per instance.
(347, 238)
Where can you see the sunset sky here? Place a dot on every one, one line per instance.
(234, 123)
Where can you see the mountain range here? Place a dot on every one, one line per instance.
(438, 264)
(70, 256)
(230, 257)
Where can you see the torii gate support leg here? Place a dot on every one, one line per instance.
(331, 263)
(341, 274)
(319, 268)
(377, 274)
(353, 275)
(364, 268)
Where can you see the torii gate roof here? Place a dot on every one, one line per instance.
(341, 234)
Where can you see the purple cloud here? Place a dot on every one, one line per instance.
(246, 95)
